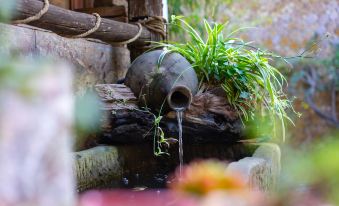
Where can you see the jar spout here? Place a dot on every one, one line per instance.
(179, 97)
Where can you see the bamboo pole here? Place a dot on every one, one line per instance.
(69, 23)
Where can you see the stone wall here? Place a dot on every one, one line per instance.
(284, 26)
(94, 62)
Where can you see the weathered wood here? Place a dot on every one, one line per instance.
(88, 3)
(93, 62)
(78, 4)
(139, 9)
(60, 3)
(97, 167)
(116, 13)
(108, 11)
(144, 8)
(120, 18)
(209, 119)
(98, 3)
(67, 23)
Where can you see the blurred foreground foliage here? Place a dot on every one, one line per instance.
(6, 9)
(17, 71)
(201, 177)
(314, 77)
(194, 10)
(309, 177)
(87, 114)
(311, 169)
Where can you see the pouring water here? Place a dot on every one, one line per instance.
(179, 114)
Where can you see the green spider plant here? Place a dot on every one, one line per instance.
(251, 84)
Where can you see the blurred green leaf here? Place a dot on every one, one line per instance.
(313, 165)
(87, 113)
(6, 8)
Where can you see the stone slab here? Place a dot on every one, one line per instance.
(262, 169)
(94, 62)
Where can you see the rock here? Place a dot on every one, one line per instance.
(272, 154)
(262, 169)
(97, 167)
(131, 166)
(253, 169)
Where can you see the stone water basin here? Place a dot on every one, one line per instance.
(136, 167)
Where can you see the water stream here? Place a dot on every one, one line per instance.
(179, 113)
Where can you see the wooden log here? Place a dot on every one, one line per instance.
(60, 3)
(116, 13)
(120, 18)
(68, 23)
(98, 3)
(79, 4)
(139, 9)
(97, 167)
(108, 11)
(209, 119)
(144, 8)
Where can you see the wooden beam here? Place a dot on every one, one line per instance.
(60, 3)
(67, 23)
(144, 8)
(98, 3)
(139, 9)
(108, 11)
(209, 119)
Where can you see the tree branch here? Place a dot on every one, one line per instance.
(311, 79)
